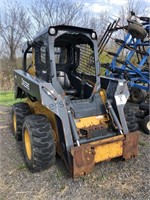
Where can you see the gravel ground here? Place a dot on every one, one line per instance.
(114, 180)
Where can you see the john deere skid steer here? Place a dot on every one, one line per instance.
(69, 109)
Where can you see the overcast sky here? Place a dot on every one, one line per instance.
(103, 5)
(112, 6)
(96, 6)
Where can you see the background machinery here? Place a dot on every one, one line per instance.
(131, 59)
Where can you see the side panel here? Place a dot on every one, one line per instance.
(27, 83)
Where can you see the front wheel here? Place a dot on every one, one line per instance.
(38, 143)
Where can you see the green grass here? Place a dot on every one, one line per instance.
(21, 166)
(7, 98)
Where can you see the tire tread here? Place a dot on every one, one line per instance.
(42, 143)
(21, 110)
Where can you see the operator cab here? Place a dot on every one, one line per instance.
(75, 64)
(66, 55)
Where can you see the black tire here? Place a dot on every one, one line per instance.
(137, 95)
(131, 120)
(144, 106)
(146, 124)
(137, 31)
(38, 143)
(19, 112)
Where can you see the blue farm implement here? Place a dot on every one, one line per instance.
(131, 59)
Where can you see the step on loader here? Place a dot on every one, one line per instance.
(69, 109)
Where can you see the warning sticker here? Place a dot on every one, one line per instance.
(120, 99)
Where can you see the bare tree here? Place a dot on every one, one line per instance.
(54, 12)
(14, 26)
(137, 6)
(97, 22)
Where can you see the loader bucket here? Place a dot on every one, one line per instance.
(86, 155)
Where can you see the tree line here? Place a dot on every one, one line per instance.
(19, 23)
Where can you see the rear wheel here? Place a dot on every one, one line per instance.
(137, 95)
(146, 124)
(38, 143)
(19, 112)
(131, 120)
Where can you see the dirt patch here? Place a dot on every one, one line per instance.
(115, 179)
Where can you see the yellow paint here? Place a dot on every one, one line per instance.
(108, 148)
(27, 144)
(33, 56)
(108, 151)
(103, 95)
(91, 121)
(14, 122)
(31, 70)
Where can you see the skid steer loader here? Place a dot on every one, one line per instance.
(69, 109)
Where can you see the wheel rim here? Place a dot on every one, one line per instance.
(148, 125)
(27, 144)
(14, 122)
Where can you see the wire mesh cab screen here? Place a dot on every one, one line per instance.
(86, 60)
(42, 57)
(80, 52)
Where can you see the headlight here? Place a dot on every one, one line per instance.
(93, 35)
(52, 31)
